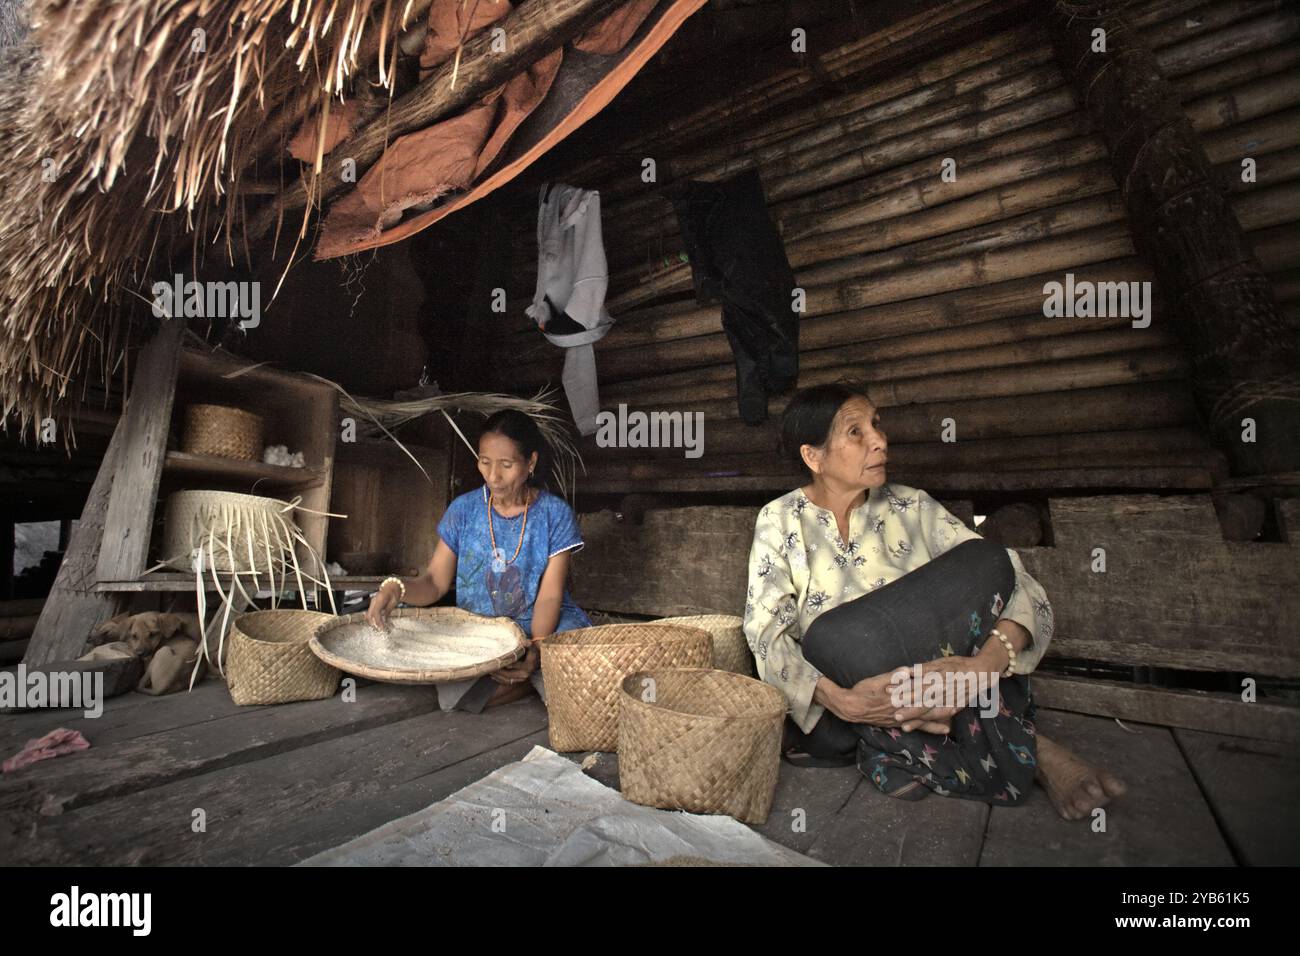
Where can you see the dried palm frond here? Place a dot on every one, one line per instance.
(387, 415)
(116, 114)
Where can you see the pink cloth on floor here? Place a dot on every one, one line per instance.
(54, 744)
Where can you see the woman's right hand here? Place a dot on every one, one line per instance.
(381, 604)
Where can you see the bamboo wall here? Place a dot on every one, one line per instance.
(932, 291)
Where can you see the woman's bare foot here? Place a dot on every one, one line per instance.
(509, 693)
(1075, 787)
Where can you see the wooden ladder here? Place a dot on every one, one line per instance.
(111, 541)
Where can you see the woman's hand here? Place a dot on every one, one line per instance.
(519, 671)
(871, 701)
(381, 605)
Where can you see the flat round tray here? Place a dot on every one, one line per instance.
(421, 646)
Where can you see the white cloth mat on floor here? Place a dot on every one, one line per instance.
(544, 811)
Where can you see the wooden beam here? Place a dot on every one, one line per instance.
(1174, 593)
(1244, 357)
(127, 522)
(532, 31)
(1189, 709)
(73, 609)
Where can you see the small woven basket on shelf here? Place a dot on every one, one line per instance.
(730, 649)
(223, 432)
(584, 668)
(706, 741)
(271, 661)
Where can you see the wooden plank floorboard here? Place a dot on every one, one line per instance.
(819, 793)
(875, 830)
(361, 814)
(125, 717)
(1254, 789)
(283, 807)
(143, 762)
(1162, 821)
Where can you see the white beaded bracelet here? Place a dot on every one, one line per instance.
(400, 597)
(1011, 652)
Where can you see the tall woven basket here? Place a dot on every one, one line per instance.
(706, 741)
(239, 533)
(222, 431)
(584, 668)
(730, 649)
(271, 661)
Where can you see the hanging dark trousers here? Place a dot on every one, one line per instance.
(738, 259)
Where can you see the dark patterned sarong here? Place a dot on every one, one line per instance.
(947, 606)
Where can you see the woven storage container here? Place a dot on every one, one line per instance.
(201, 519)
(706, 741)
(583, 669)
(222, 431)
(423, 645)
(271, 662)
(730, 649)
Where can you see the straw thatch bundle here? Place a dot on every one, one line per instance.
(116, 114)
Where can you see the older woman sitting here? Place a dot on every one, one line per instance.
(852, 578)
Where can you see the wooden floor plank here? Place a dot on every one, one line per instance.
(125, 717)
(143, 762)
(875, 830)
(360, 814)
(1254, 789)
(1163, 820)
(286, 806)
(806, 803)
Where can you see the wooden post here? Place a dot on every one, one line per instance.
(115, 516)
(1244, 358)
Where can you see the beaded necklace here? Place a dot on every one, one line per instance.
(492, 534)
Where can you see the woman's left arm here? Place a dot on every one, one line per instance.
(1025, 619)
(550, 596)
(546, 615)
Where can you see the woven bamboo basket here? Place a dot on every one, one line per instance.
(707, 741)
(271, 661)
(423, 645)
(583, 670)
(234, 531)
(222, 431)
(730, 649)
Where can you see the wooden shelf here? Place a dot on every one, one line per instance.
(180, 582)
(256, 473)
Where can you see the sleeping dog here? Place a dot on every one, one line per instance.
(144, 633)
(169, 644)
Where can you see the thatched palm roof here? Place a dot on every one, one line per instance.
(120, 126)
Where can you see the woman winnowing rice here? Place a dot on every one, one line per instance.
(505, 547)
(852, 578)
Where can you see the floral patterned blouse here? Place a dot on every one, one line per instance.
(798, 567)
